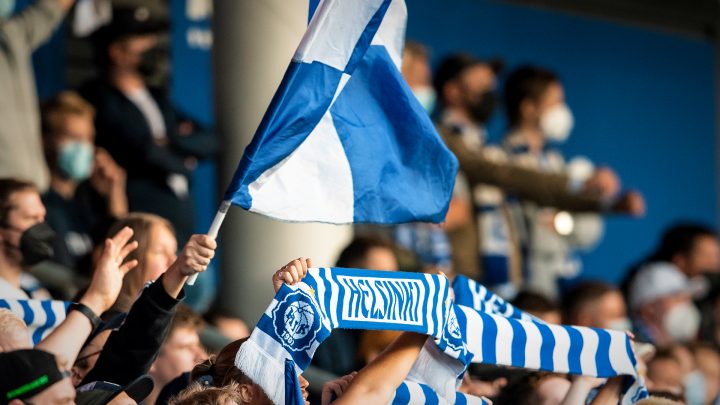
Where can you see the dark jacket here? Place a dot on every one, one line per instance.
(123, 130)
(131, 350)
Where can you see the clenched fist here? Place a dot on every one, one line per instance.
(196, 255)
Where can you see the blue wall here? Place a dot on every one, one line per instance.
(643, 101)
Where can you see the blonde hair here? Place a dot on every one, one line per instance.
(56, 109)
(13, 331)
(198, 394)
(142, 224)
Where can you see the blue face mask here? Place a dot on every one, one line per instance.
(695, 388)
(75, 159)
(6, 8)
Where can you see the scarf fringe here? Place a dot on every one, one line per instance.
(263, 369)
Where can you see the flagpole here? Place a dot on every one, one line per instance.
(213, 231)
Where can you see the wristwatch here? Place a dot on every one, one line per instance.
(83, 309)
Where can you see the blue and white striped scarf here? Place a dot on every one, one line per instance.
(41, 316)
(415, 393)
(302, 316)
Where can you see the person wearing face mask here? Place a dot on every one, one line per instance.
(465, 88)
(87, 188)
(25, 239)
(20, 34)
(539, 119)
(137, 124)
(661, 305)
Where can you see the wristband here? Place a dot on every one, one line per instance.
(89, 314)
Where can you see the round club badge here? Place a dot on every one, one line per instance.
(296, 321)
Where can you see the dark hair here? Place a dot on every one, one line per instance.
(8, 187)
(527, 82)
(452, 66)
(534, 302)
(680, 238)
(355, 253)
(581, 295)
(185, 318)
(220, 370)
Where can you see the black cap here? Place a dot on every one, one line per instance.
(130, 21)
(26, 373)
(102, 392)
(453, 65)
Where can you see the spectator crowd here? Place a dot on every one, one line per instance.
(95, 210)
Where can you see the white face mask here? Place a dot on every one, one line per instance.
(557, 122)
(427, 97)
(681, 322)
(621, 324)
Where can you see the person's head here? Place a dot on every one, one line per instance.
(156, 251)
(692, 247)
(68, 135)
(108, 393)
(535, 388)
(707, 359)
(33, 377)
(664, 373)
(538, 305)
(24, 236)
(416, 72)
(370, 252)
(535, 99)
(14, 334)
(182, 350)
(595, 304)
(220, 371)
(125, 43)
(227, 324)
(88, 356)
(466, 84)
(198, 394)
(659, 298)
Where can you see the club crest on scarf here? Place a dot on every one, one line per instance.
(296, 321)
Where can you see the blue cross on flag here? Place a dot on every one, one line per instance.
(344, 130)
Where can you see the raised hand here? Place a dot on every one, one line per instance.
(334, 389)
(291, 273)
(109, 273)
(196, 255)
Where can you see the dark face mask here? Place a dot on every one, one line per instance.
(150, 63)
(481, 107)
(36, 243)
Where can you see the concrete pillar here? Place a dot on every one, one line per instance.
(253, 44)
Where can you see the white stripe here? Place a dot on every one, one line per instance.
(474, 331)
(391, 33)
(440, 305)
(590, 346)
(618, 357)
(429, 298)
(503, 344)
(334, 31)
(532, 347)
(562, 349)
(416, 394)
(334, 296)
(40, 316)
(319, 171)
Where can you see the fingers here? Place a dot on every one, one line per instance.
(126, 250)
(128, 266)
(121, 238)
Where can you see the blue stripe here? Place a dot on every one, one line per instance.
(602, 356)
(313, 6)
(435, 303)
(576, 345)
(28, 314)
(519, 341)
(366, 37)
(546, 347)
(4, 304)
(402, 395)
(431, 397)
(49, 321)
(489, 338)
(460, 399)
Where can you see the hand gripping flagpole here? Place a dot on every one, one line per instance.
(213, 231)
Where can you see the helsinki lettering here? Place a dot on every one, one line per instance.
(376, 299)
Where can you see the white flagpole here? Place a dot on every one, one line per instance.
(213, 231)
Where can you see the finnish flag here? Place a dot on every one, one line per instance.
(344, 131)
